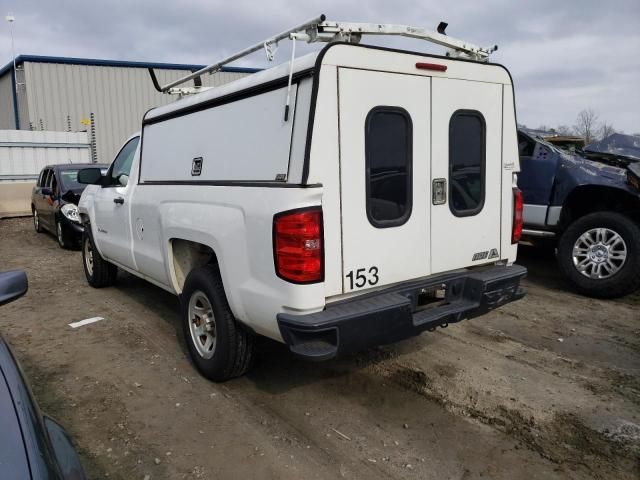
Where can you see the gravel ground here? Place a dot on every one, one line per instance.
(547, 387)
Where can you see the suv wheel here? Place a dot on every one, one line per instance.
(220, 348)
(36, 221)
(600, 254)
(98, 271)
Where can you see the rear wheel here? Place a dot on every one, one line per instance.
(600, 254)
(98, 271)
(36, 221)
(218, 345)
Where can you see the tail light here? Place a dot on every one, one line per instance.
(518, 206)
(298, 245)
(431, 66)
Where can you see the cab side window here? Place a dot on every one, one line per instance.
(121, 166)
(525, 146)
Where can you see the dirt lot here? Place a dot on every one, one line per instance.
(548, 387)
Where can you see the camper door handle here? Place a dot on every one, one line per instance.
(439, 191)
(118, 200)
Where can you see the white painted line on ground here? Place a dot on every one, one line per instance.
(86, 321)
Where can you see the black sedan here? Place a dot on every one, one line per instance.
(54, 202)
(32, 446)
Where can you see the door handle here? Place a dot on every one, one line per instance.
(439, 191)
(118, 200)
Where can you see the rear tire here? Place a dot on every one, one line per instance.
(606, 238)
(218, 345)
(36, 221)
(98, 271)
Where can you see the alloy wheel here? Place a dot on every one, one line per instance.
(599, 253)
(202, 325)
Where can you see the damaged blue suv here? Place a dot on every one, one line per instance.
(589, 206)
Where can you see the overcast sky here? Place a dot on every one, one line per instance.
(564, 56)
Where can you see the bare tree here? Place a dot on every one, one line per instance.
(606, 129)
(586, 125)
(563, 130)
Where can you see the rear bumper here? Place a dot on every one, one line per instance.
(400, 312)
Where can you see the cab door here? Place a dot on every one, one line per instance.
(466, 169)
(384, 177)
(112, 209)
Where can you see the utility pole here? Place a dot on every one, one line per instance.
(10, 18)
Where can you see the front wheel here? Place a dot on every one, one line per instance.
(220, 348)
(60, 235)
(600, 254)
(98, 271)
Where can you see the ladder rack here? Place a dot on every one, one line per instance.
(319, 30)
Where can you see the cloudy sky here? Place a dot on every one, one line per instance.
(564, 56)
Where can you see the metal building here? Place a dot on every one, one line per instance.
(107, 98)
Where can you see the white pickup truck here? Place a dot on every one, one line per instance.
(381, 205)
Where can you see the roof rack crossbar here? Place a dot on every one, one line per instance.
(319, 30)
(243, 53)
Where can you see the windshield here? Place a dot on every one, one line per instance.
(69, 179)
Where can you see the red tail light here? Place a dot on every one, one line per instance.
(518, 206)
(298, 245)
(431, 66)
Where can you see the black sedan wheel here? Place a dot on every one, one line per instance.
(60, 235)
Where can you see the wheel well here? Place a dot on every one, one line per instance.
(593, 198)
(188, 255)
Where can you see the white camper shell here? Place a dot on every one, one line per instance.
(382, 205)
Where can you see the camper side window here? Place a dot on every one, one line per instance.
(388, 160)
(467, 152)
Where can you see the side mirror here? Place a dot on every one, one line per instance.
(90, 176)
(13, 285)
(47, 192)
